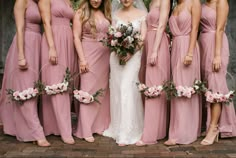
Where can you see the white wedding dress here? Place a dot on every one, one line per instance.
(125, 100)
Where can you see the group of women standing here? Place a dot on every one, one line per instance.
(122, 114)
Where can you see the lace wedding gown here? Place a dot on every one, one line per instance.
(125, 100)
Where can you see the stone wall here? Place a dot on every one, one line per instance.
(7, 26)
(231, 34)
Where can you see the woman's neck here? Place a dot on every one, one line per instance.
(180, 1)
(95, 10)
(211, 1)
(128, 8)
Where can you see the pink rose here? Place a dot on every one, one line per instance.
(118, 34)
(87, 99)
(36, 91)
(16, 93)
(76, 92)
(22, 96)
(141, 87)
(114, 42)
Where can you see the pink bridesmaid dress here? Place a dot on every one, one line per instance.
(185, 115)
(156, 109)
(56, 109)
(94, 117)
(21, 120)
(216, 80)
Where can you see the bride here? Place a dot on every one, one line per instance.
(126, 103)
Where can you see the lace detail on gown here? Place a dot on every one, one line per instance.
(125, 100)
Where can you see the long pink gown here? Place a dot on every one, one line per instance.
(21, 120)
(216, 80)
(56, 115)
(94, 117)
(156, 109)
(185, 116)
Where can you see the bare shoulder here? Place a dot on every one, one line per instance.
(139, 12)
(79, 12)
(223, 3)
(193, 4)
(21, 2)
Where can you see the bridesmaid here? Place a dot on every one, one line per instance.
(157, 71)
(21, 71)
(185, 64)
(215, 56)
(90, 25)
(57, 54)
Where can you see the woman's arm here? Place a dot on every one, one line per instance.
(221, 18)
(77, 31)
(164, 13)
(143, 31)
(196, 14)
(45, 10)
(19, 13)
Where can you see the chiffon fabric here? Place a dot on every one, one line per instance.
(21, 120)
(155, 116)
(216, 80)
(185, 115)
(56, 109)
(94, 117)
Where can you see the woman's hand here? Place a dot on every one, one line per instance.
(22, 63)
(53, 56)
(216, 63)
(188, 59)
(83, 67)
(126, 58)
(153, 59)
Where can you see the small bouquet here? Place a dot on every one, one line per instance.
(57, 88)
(184, 91)
(218, 97)
(60, 87)
(150, 92)
(122, 40)
(85, 97)
(22, 96)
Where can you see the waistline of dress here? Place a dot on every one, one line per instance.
(208, 31)
(32, 27)
(60, 21)
(178, 36)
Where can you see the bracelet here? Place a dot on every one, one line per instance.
(190, 55)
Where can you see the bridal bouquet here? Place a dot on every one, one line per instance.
(219, 98)
(85, 97)
(122, 40)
